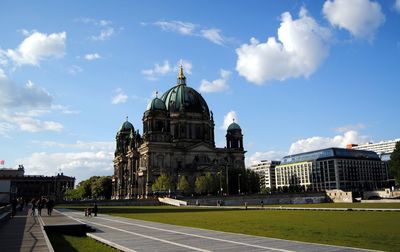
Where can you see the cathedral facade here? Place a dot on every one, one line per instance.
(177, 140)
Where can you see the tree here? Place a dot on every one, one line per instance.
(183, 185)
(200, 185)
(101, 187)
(94, 187)
(211, 185)
(163, 183)
(394, 164)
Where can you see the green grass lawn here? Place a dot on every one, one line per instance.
(68, 243)
(344, 205)
(373, 230)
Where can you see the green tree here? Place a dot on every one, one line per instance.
(163, 183)
(200, 186)
(394, 164)
(184, 185)
(101, 187)
(211, 185)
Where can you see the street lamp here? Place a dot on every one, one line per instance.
(220, 182)
(239, 181)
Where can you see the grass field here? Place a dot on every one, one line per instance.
(344, 205)
(373, 230)
(68, 243)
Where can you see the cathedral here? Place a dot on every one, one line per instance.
(177, 140)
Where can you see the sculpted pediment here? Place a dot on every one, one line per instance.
(201, 147)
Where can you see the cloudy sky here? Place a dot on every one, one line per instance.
(296, 75)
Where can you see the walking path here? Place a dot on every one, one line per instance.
(137, 235)
(23, 233)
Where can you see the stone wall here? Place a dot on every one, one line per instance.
(339, 196)
(142, 202)
(275, 199)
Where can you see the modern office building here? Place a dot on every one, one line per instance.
(383, 148)
(266, 171)
(177, 140)
(332, 168)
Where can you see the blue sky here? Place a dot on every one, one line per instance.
(296, 75)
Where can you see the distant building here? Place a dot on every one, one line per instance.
(14, 183)
(332, 168)
(266, 171)
(383, 148)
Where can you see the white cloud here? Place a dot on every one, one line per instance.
(184, 28)
(317, 142)
(228, 119)
(105, 34)
(189, 29)
(37, 47)
(120, 97)
(30, 95)
(34, 100)
(214, 35)
(299, 52)
(80, 145)
(187, 66)
(5, 128)
(74, 70)
(106, 28)
(160, 70)
(360, 17)
(92, 56)
(218, 85)
(81, 165)
(30, 123)
(397, 6)
(157, 71)
(351, 127)
(268, 155)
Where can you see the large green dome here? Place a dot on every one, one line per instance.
(156, 104)
(182, 97)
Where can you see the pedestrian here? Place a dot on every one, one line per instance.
(39, 207)
(33, 207)
(262, 204)
(50, 205)
(13, 207)
(245, 205)
(95, 209)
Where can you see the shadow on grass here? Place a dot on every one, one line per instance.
(59, 243)
(150, 210)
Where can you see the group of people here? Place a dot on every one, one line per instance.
(90, 210)
(40, 204)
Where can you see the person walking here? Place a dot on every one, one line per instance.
(33, 207)
(95, 209)
(13, 207)
(39, 207)
(50, 205)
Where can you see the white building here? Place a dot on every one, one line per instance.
(332, 168)
(383, 148)
(266, 170)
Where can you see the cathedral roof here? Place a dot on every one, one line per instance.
(126, 127)
(156, 104)
(234, 126)
(181, 97)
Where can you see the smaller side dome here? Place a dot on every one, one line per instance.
(234, 126)
(126, 126)
(156, 104)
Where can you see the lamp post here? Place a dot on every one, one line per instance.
(239, 182)
(220, 182)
